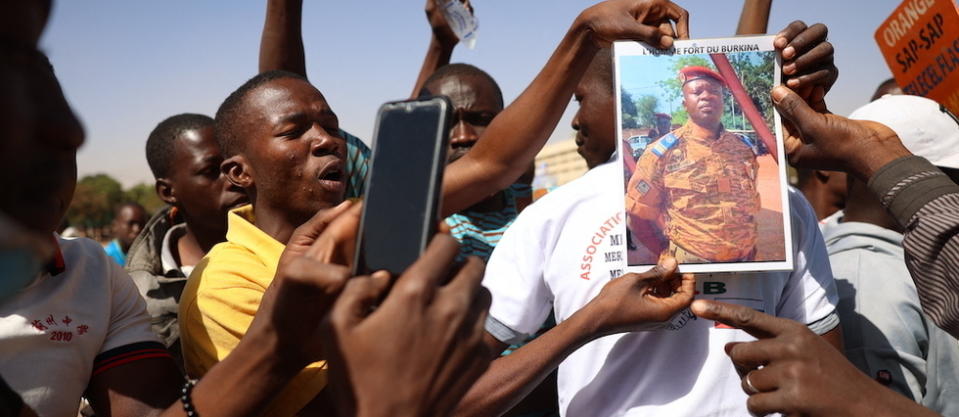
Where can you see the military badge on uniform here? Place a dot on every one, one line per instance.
(643, 187)
(676, 160)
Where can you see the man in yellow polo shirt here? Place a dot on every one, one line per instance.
(224, 290)
(226, 300)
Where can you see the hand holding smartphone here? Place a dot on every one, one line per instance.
(403, 188)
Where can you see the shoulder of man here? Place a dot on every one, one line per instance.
(664, 144)
(755, 146)
(82, 249)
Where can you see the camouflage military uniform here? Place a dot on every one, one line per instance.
(702, 192)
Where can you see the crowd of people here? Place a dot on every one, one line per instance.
(237, 298)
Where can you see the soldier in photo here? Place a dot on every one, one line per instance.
(693, 194)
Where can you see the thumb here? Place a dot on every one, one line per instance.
(307, 233)
(665, 268)
(794, 109)
(336, 242)
(656, 278)
(358, 298)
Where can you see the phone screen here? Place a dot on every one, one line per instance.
(403, 187)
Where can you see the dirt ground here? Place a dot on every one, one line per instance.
(770, 245)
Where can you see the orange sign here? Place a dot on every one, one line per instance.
(920, 42)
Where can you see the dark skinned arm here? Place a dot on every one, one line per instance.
(628, 303)
(243, 383)
(834, 338)
(440, 49)
(516, 135)
(754, 18)
(801, 374)
(281, 46)
(141, 388)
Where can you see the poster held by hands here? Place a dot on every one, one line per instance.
(700, 145)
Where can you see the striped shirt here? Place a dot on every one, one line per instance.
(357, 164)
(926, 203)
(478, 232)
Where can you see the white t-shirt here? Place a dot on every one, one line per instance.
(562, 250)
(60, 330)
(167, 260)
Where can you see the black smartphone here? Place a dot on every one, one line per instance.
(402, 195)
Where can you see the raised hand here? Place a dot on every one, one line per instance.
(440, 27)
(821, 140)
(793, 371)
(421, 349)
(808, 66)
(650, 21)
(643, 301)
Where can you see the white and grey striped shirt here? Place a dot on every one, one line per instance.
(926, 203)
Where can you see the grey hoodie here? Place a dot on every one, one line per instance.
(885, 333)
(161, 289)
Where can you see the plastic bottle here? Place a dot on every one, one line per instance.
(461, 21)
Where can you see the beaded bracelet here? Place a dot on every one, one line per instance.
(186, 400)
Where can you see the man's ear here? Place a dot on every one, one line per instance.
(165, 191)
(238, 171)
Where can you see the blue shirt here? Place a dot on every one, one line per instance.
(116, 252)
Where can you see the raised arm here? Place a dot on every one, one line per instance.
(281, 46)
(516, 135)
(440, 49)
(754, 18)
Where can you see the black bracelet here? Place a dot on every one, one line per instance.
(186, 400)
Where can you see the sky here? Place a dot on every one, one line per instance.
(127, 65)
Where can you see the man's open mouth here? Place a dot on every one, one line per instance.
(332, 176)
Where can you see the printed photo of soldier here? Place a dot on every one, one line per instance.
(701, 183)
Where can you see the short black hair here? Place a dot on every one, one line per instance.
(601, 69)
(227, 116)
(160, 144)
(462, 70)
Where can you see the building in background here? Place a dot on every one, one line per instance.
(557, 164)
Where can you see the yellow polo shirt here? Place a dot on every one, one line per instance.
(221, 298)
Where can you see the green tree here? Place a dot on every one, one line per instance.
(646, 110)
(144, 194)
(756, 73)
(94, 201)
(628, 108)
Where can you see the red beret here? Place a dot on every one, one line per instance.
(690, 73)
